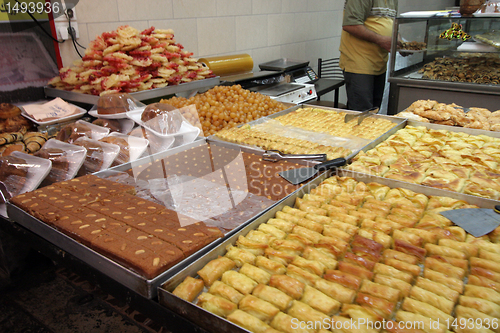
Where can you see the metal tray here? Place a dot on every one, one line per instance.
(471, 131)
(140, 95)
(121, 274)
(399, 124)
(217, 324)
(283, 65)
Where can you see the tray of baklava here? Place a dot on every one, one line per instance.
(305, 129)
(461, 160)
(142, 221)
(348, 252)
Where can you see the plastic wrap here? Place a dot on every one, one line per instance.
(72, 132)
(100, 155)
(66, 160)
(21, 172)
(115, 125)
(131, 147)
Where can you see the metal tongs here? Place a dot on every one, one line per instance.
(361, 115)
(276, 155)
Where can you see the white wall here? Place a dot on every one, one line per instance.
(265, 29)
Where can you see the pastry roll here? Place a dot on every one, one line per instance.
(299, 238)
(355, 270)
(481, 305)
(282, 257)
(335, 290)
(272, 295)
(255, 273)
(345, 227)
(379, 226)
(460, 263)
(393, 254)
(259, 236)
(221, 289)
(445, 268)
(485, 263)
(214, 269)
(319, 301)
(365, 242)
(489, 255)
(413, 239)
(292, 247)
(281, 224)
(381, 306)
(357, 312)
(403, 266)
(453, 283)
(331, 231)
(484, 282)
(465, 312)
(312, 253)
(313, 236)
(367, 253)
(350, 326)
(301, 275)
(346, 218)
(379, 290)
(238, 281)
(425, 235)
(294, 211)
(377, 236)
(318, 218)
(407, 248)
(402, 286)
(345, 279)
(437, 288)
(430, 298)
(304, 312)
(258, 308)
(433, 249)
(189, 288)
(247, 321)
(309, 208)
(272, 230)
(285, 323)
(312, 266)
(310, 224)
(482, 292)
(315, 197)
(470, 250)
(359, 260)
(426, 325)
(270, 266)
(393, 272)
(312, 203)
(251, 246)
(215, 304)
(240, 256)
(288, 285)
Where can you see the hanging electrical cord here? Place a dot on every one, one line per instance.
(41, 27)
(69, 16)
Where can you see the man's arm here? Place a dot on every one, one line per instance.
(362, 32)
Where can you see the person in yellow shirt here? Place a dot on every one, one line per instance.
(364, 49)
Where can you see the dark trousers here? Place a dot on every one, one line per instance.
(364, 91)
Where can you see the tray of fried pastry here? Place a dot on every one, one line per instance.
(349, 248)
(456, 159)
(307, 129)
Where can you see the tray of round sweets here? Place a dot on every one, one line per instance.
(348, 248)
(305, 129)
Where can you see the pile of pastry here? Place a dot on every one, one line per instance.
(354, 253)
(453, 161)
(332, 122)
(485, 70)
(430, 111)
(128, 60)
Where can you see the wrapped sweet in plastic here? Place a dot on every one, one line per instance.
(113, 124)
(115, 104)
(100, 155)
(162, 118)
(124, 154)
(72, 132)
(13, 173)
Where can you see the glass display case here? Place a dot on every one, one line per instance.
(448, 59)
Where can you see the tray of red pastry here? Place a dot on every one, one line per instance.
(347, 249)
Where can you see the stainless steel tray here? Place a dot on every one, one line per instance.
(140, 95)
(471, 131)
(121, 274)
(217, 324)
(399, 123)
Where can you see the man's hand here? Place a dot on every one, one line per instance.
(362, 32)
